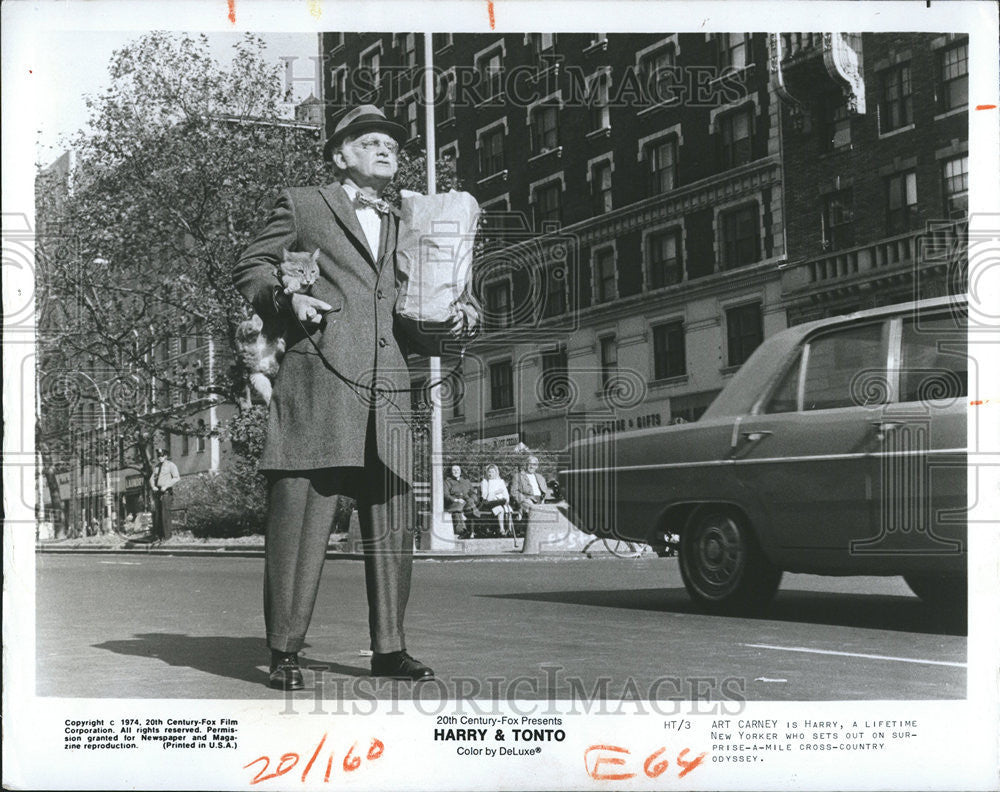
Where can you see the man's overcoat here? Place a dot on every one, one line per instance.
(320, 409)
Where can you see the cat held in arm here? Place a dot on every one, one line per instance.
(261, 346)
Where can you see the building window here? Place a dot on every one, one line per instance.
(600, 112)
(836, 122)
(457, 397)
(737, 138)
(555, 291)
(668, 351)
(956, 186)
(953, 78)
(605, 275)
(490, 67)
(901, 200)
(412, 125)
(491, 159)
(744, 332)
(409, 47)
(555, 376)
(441, 41)
(734, 50)
(446, 95)
(600, 185)
(740, 236)
(370, 64)
(544, 129)
(418, 395)
(542, 44)
(498, 304)
(838, 219)
(201, 441)
(338, 85)
(547, 204)
(609, 360)
(501, 385)
(896, 105)
(449, 152)
(663, 256)
(185, 444)
(656, 73)
(662, 157)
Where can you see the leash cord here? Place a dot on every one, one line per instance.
(372, 387)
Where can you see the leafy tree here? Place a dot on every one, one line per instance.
(181, 162)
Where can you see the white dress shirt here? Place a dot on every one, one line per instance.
(371, 221)
(534, 485)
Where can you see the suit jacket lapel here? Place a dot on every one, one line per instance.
(341, 205)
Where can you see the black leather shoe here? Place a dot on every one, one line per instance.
(285, 673)
(399, 665)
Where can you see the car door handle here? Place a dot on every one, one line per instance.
(755, 435)
(887, 426)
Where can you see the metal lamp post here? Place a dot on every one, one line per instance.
(107, 460)
(437, 451)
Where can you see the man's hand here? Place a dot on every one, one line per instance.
(465, 321)
(309, 309)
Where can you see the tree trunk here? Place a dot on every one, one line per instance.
(59, 518)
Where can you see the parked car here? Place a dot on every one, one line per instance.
(838, 448)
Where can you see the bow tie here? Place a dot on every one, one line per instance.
(361, 201)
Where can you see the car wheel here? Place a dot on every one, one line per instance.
(948, 592)
(723, 567)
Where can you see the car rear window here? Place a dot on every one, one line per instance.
(846, 368)
(934, 362)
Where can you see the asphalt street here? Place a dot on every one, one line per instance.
(128, 626)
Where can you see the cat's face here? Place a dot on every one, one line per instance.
(300, 261)
(304, 267)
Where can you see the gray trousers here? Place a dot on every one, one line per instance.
(299, 522)
(163, 504)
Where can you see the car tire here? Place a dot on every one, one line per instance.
(723, 568)
(945, 592)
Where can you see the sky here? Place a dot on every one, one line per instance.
(68, 65)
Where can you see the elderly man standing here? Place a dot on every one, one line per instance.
(339, 422)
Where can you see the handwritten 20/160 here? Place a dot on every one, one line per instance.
(289, 761)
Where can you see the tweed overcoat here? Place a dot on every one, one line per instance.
(316, 418)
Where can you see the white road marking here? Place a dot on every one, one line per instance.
(855, 654)
(122, 563)
(768, 679)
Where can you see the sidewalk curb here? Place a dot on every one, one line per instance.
(245, 552)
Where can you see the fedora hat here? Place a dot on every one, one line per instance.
(358, 120)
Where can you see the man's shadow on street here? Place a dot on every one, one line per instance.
(221, 655)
